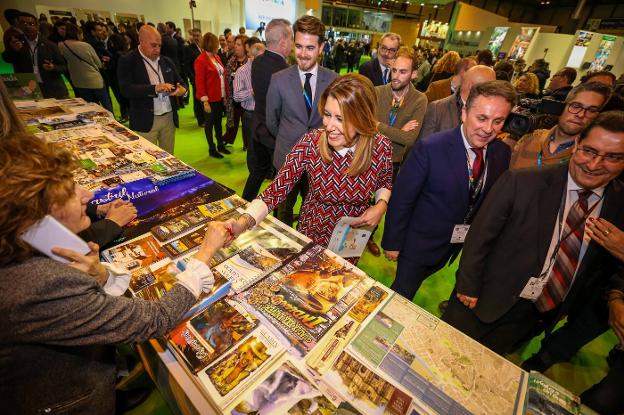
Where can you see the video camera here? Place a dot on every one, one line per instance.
(534, 114)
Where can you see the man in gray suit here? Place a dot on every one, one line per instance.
(292, 100)
(445, 114)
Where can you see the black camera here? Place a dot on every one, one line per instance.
(534, 114)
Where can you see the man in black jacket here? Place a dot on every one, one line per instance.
(151, 82)
(378, 69)
(191, 51)
(33, 54)
(279, 39)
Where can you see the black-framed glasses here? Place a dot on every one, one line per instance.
(389, 50)
(590, 153)
(576, 108)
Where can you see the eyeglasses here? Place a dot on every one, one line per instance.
(590, 153)
(576, 108)
(384, 49)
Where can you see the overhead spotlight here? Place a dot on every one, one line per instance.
(435, 6)
(422, 4)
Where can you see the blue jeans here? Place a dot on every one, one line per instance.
(99, 96)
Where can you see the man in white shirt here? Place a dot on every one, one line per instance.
(292, 100)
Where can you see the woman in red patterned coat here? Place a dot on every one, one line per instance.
(347, 163)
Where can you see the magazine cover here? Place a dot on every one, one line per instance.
(370, 393)
(163, 279)
(284, 391)
(306, 296)
(136, 254)
(227, 378)
(248, 266)
(22, 86)
(545, 397)
(441, 367)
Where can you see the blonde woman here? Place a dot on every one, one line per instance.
(527, 85)
(444, 68)
(347, 163)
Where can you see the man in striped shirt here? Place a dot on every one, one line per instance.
(243, 92)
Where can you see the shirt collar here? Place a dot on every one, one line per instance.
(32, 42)
(466, 143)
(343, 152)
(148, 59)
(573, 186)
(313, 71)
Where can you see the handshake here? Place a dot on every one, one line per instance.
(222, 234)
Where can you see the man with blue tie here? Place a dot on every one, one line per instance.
(442, 183)
(292, 100)
(378, 70)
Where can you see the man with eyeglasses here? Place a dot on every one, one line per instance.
(554, 146)
(378, 70)
(528, 260)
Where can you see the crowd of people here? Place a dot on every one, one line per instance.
(416, 136)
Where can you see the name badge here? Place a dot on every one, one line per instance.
(534, 288)
(459, 233)
(162, 96)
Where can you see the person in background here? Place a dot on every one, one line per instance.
(234, 111)
(13, 33)
(84, 69)
(378, 69)
(31, 53)
(340, 55)
(519, 68)
(150, 81)
(607, 78)
(424, 67)
(527, 86)
(61, 321)
(485, 57)
(243, 91)
(45, 28)
(191, 52)
(505, 67)
(222, 51)
(170, 46)
(347, 162)
(118, 46)
(560, 84)
(544, 147)
(444, 68)
(446, 87)
(444, 181)
(540, 69)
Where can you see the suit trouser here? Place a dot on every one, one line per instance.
(163, 132)
(260, 165)
(285, 209)
(247, 123)
(410, 275)
(504, 335)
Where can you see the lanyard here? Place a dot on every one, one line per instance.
(156, 71)
(561, 147)
(394, 109)
(475, 188)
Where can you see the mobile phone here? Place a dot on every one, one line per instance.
(49, 233)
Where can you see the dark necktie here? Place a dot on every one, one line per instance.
(385, 76)
(307, 93)
(566, 261)
(477, 164)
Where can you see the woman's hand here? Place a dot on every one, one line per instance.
(371, 216)
(607, 235)
(238, 226)
(214, 239)
(89, 263)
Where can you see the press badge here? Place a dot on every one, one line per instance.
(533, 290)
(459, 233)
(162, 96)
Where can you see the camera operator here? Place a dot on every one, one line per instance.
(561, 84)
(552, 146)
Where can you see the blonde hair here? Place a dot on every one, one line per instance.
(447, 63)
(533, 80)
(356, 98)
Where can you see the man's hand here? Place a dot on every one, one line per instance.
(89, 263)
(392, 255)
(616, 318)
(410, 125)
(164, 87)
(470, 302)
(179, 91)
(121, 212)
(15, 44)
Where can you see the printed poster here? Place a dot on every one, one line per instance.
(602, 54)
(522, 42)
(496, 40)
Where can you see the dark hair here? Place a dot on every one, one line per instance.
(210, 42)
(72, 32)
(26, 14)
(502, 76)
(504, 66)
(310, 25)
(596, 87)
(171, 25)
(569, 74)
(242, 38)
(462, 65)
(252, 41)
(485, 57)
(227, 31)
(593, 74)
(501, 89)
(612, 121)
(11, 15)
(117, 43)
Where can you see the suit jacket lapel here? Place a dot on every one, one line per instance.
(457, 164)
(549, 203)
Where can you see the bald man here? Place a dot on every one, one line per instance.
(150, 81)
(445, 113)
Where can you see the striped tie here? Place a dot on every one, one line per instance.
(566, 261)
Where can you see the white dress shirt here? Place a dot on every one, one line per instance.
(313, 78)
(161, 106)
(471, 154)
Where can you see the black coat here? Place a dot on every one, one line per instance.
(372, 70)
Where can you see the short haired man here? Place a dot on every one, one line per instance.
(445, 113)
(223, 50)
(292, 101)
(443, 182)
(191, 51)
(31, 53)
(279, 41)
(151, 82)
(243, 91)
(378, 70)
(527, 260)
(602, 77)
(561, 83)
(485, 57)
(446, 87)
(554, 146)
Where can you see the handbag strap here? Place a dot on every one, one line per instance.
(80, 57)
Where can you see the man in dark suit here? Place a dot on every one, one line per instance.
(170, 28)
(279, 41)
(191, 51)
(378, 69)
(445, 113)
(292, 101)
(32, 54)
(528, 261)
(443, 182)
(151, 82)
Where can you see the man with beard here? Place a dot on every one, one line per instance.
(442, 183)
(554, 146)
(292, 101)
